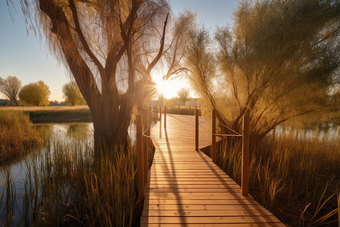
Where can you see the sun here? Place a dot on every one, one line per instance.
(162, 87)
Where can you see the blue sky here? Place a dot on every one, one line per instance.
(24, 56)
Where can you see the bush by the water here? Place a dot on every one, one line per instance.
(17, 134)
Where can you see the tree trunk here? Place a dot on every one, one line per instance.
(110, 125)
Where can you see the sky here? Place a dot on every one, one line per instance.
(24, 56)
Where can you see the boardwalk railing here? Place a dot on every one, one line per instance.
(143, 135)
(143, 121)
(245, 144)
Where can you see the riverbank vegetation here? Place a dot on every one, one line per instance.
(17, 135)
(54, 114)
(64, 186)
(296, 176)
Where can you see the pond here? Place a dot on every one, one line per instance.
(320, 131)
(17, 178)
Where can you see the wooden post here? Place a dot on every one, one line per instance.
(164, 116)
(145, 144)
(140, 163)
(160, 114)
(154, 112)
(245, 155)
(213, 135)
(196, 129)
(150, 117)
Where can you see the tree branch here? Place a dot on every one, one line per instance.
(154, 62)
(83, 39)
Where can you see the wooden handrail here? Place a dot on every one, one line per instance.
(245, 155)
(140, 162)
(213, 135)
(164, 116)
(145, 144)
(245, 146)
(196, 130)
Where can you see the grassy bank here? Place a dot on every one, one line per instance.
(55, 114)
(299, 181)
(17, 135)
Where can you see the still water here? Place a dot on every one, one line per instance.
(321, 131)
(18, 170)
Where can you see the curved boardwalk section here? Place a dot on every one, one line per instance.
(187, 189)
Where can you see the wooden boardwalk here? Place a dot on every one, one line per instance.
(186, 188)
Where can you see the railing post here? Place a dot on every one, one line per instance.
(196, 129)
(245, 155)
(140, 163)
(145, 144)
(150, 117)
(164, 116)
(213, 135)
(160, 114)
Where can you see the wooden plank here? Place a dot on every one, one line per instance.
(197, 196)
(207, 213)
(224, 201)
(205, 181)
(210, 220)
(192, 186)
(186, 188)
(216, 225)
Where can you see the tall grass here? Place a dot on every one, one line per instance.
(16, 134)
(65, 186)
(288, 175)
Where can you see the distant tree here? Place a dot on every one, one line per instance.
(72, 94)
(35, 94)
(277, 62)
(183, 94)
(54, 103)
(10, 88)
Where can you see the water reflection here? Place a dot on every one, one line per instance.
(14, 175)
(320, 131)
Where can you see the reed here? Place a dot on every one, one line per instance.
(17, 135)
(289, 175)
(65, 186)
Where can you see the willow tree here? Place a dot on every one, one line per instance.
(10, 88)
(110, 48)
(277, 62)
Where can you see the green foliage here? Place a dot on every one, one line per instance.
(10, 88)
(35, 94)
(183, 94)
(72, 94)
(277, 62)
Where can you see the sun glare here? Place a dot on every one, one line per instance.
(162, 87)
(169, 88)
